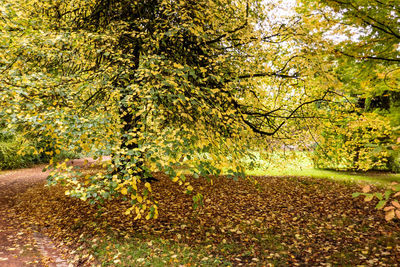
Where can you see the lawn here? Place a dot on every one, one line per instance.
(369, 177)
(299, 164)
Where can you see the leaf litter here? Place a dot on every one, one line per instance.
(282, 221)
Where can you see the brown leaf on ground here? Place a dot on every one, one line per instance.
(366, 189)
(389, 215)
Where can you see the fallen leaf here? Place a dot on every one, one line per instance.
(366, 189)
(389, 215)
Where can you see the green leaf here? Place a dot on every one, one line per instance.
(381, 204)
(387, 194)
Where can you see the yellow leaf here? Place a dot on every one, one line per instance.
(148, 186)
(128, 211)
(368, 198)
(124, 191)
(381, 75)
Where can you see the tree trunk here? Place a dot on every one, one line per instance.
(130, 119)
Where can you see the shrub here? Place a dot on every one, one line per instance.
(363, 143)
(11, 144)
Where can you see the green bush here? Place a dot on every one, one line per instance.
(395, 162)
(12, 143)
(359, 143)
(10, 159)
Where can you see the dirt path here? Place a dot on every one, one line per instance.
(22, 245)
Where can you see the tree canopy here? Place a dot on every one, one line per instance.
(156, 84)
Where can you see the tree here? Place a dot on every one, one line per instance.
(360, 38)
(156, 84)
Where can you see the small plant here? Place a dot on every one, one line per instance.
(388, 201)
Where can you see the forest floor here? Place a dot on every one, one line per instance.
(284, 221)
(20, 243)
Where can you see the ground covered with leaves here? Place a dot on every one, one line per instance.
(282, 221)
(22, 244)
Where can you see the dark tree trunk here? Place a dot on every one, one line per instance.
(128, 115)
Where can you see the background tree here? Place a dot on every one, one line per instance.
(360, 40)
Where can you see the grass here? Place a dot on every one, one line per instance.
(148, 250)
(299, 164)
(376, 178)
